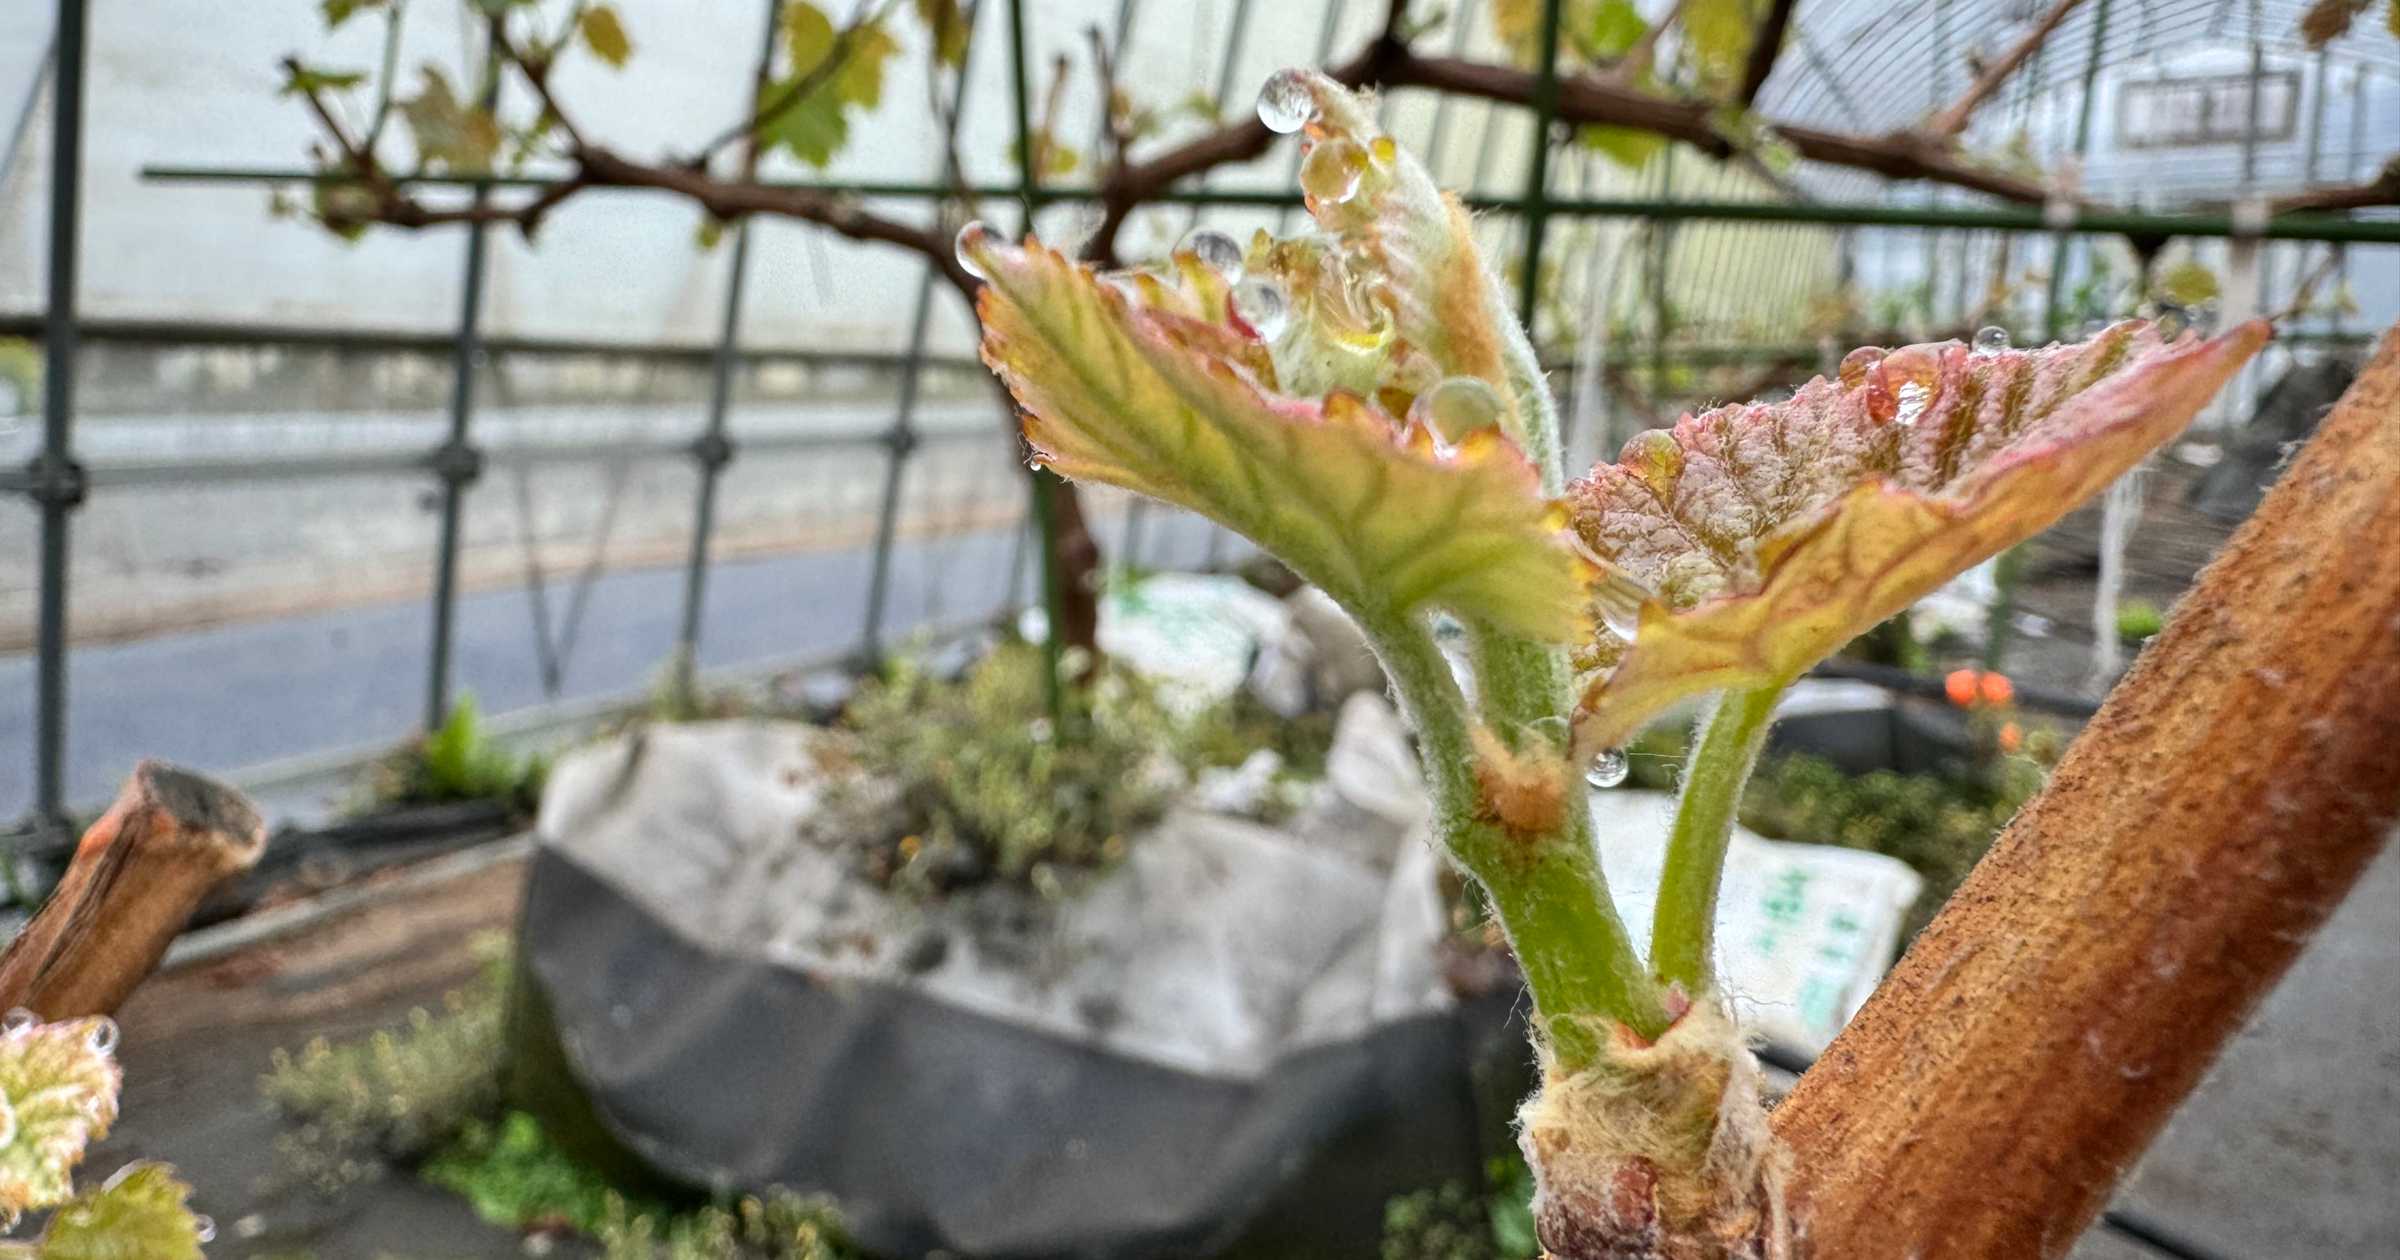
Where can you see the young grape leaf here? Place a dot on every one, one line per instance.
(947, 22)
(1769, 535)
(811, 106)
(604, 33)
(138, 1215)
(1167, 390)
(340, 11)
(300, 80)
(448, 134)
(58, 1094)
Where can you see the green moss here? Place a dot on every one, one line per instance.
(987, 790)
(1461, 1222)
(396, 1095)
(516, 1177)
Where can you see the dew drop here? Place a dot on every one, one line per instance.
(1853, 372)
(1332, 171)
(204, 1229)
(1913, 398)
(1619, 600)
(104, 1036)
(1261, 305)
(18, 1021)
(1991, 339)
(1460, 405)
(969, 237)
(1608, 769)
(1215, 250)
(1285, 104)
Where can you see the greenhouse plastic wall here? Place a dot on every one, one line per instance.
(550, 465)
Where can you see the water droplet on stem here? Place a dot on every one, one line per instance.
(1332, 171)
(1216, 251)
(969, 237)
(18, 1020)
(1261, 305)
(1460, 405)
(1990, 339)
(1285, 104)
(1608, 769)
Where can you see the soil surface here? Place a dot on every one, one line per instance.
(198, 1036)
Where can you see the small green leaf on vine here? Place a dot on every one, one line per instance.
(1163, 383)
(140, 1214)
(604, 33)
(450, 135)
(58, 1094)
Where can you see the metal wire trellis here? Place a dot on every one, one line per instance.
(57, 483)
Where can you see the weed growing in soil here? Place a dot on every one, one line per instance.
(460, 761)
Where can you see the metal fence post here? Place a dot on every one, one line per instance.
(712, 450)
(1537, 180)
(2063, 241)
(457, 463)
(1044, 483)
(55, 479)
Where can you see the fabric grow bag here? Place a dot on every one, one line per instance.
(1236, 1042)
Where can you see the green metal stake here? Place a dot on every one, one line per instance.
(1537, 181)
(2083, 147)
(1044, 482)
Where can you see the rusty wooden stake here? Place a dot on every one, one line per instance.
(171, 838)
(2227, 796)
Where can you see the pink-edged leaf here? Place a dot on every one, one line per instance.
(1768, 535)
(1158, 387)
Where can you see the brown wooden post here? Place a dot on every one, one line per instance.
(171, 838)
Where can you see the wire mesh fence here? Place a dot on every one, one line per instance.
(577, 517)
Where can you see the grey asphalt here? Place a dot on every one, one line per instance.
(232, 697)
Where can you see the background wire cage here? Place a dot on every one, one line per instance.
(595, 492)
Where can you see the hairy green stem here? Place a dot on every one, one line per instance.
(1683, 930)
(1547, 888)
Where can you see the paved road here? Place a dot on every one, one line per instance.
(232, 697)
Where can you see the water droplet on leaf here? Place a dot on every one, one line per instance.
(1460, 405)
(18, 1020)
(1608, 769)
(1332, 171)
(1285, 104)
(1853, 372)
(1260, 304)
(969, 237)
(1991, 339)
(104, 1036)
(1619, 600)
(204, 1229)
(1215, 250)
(1913, 398)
